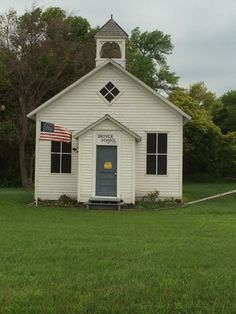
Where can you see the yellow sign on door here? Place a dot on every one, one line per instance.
(107, 165)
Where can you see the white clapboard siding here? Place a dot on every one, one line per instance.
(126, 152)
(53, 185)
(137, 109)
(106, 125)
(86, 166)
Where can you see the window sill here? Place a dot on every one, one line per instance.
(156, 175)
(57, 173)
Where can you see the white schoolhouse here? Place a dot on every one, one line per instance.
(127, 139)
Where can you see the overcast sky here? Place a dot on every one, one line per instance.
(203, 31)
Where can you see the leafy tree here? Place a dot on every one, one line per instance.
(226, 165)
(9, 170)
(41, 52)
(205, 98)
(146, 59)
(202, 138)
(226, 117)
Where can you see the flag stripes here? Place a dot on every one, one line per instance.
(53, 132)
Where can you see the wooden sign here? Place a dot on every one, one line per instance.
(106, 139)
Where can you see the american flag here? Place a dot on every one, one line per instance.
(53, 132)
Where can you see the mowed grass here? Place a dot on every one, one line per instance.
(196, 190)
(55, 260)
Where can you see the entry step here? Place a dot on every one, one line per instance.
(101, 202)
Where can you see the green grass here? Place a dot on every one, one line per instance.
(55, 260)
(196, 190)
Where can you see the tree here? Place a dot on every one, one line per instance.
(226, 117)
(9, 170)
(202, 138)
(227, 162)
(41, 53)
(205, 98)
(146, 59)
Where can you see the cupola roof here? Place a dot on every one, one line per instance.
(111, 29)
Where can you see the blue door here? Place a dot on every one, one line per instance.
(106, 171)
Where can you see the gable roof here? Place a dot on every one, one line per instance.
(111, 29)
(108, 117)
(32, 114)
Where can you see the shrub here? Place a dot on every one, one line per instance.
(63, 201)
(152, 201)
(158, 204)
(152, 196)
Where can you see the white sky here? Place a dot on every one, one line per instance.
(203, 31)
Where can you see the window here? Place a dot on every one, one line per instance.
(156, 153)
(109, 91)
(60, 157)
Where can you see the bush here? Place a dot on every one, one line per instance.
(158, 204)
(152, 201)
(152, 196)
(63, 201)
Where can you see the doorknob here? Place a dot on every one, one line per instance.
(115, 173)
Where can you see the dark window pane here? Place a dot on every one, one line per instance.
(109, 86)
(162, 143)
(66, 147)
(109, 91)
(151, 143)
(56, 147)
(115, 91)
(66, 164)
(151, 164)
(109, 97)
(55, 163)
(103, 91)
(162, 164)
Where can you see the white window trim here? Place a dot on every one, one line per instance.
(109, 103)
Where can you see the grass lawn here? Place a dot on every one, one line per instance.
(55, 260)
(196, 190)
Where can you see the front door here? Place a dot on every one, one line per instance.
(106, 171)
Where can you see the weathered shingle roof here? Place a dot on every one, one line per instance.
(111, 28)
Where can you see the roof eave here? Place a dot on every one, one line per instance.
(108, 36)
(181, 112)
(186, 119)
(108, 117)
(113, 37)
(32, 114)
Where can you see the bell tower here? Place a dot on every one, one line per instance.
(111, 42)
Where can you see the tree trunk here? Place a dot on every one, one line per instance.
(26, 181)
(32, 166)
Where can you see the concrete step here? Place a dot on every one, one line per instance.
(104, 202)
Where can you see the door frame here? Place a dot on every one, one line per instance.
(113, 146)
(95, 166)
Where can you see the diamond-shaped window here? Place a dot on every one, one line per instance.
(109, 91)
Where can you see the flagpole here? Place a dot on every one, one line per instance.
(38, 124)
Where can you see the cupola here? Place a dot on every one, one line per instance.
(111, 43)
